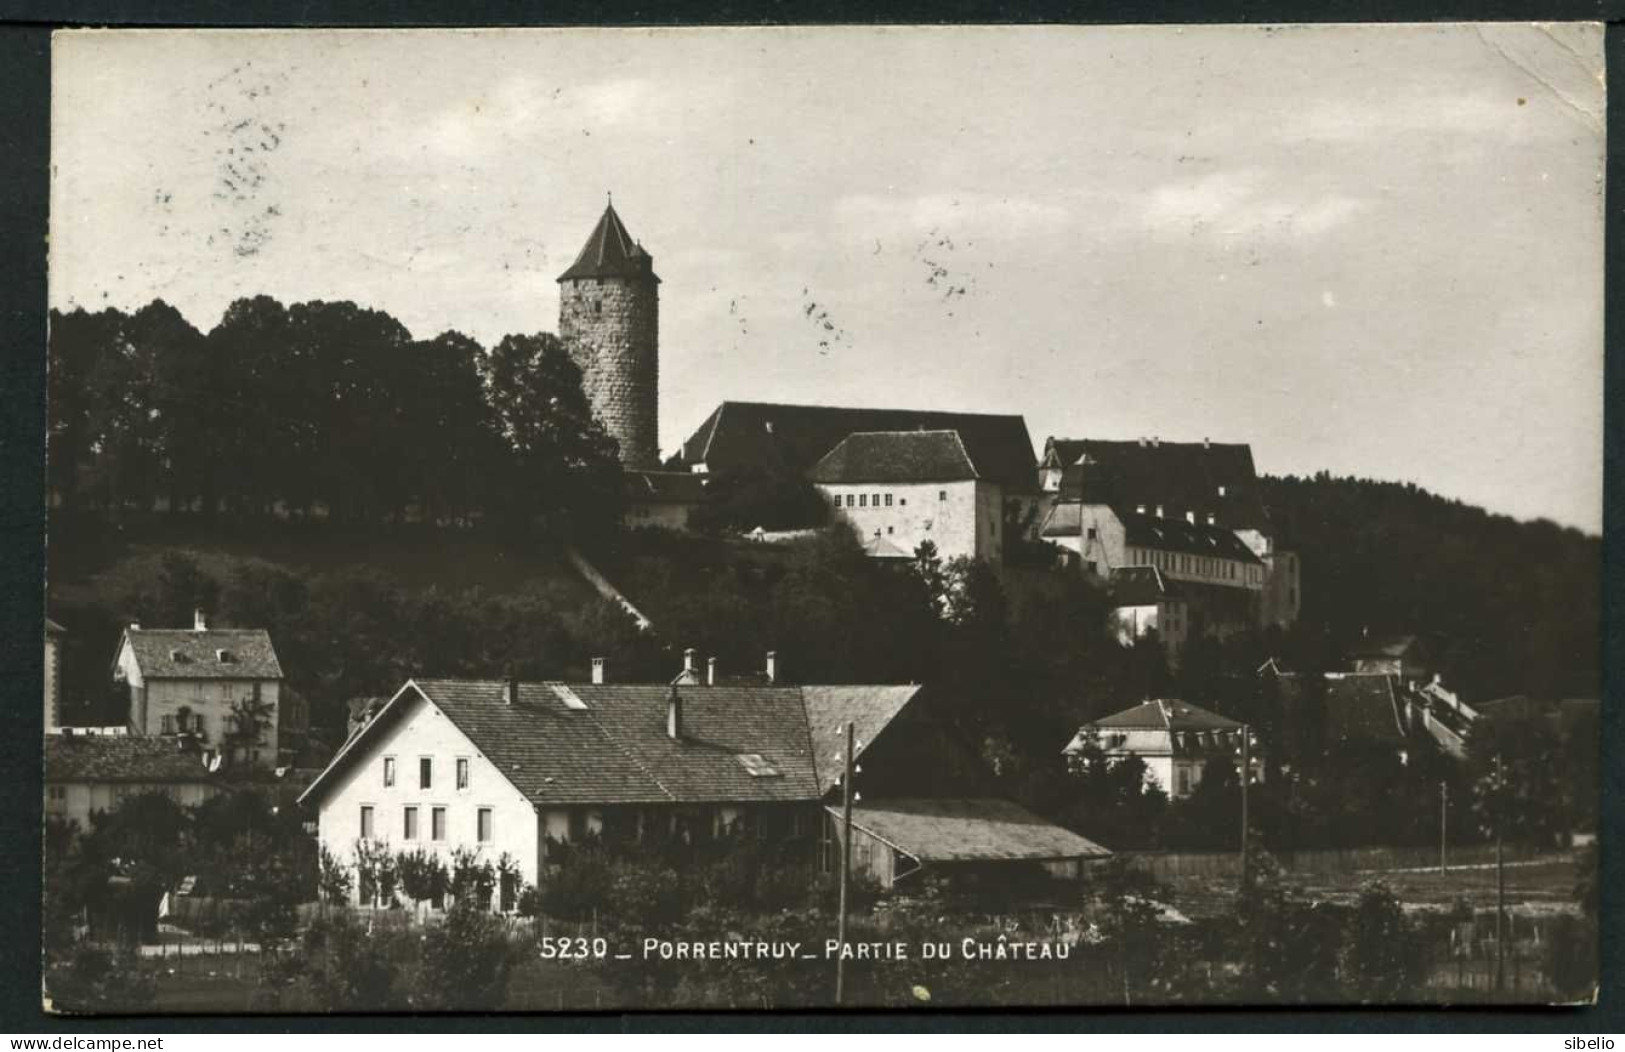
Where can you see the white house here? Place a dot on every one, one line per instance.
(511, 769)
(221, 686)
(898, 489)
(1175, 739)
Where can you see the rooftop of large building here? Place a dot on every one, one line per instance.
(1181, 477)
(896, 457)
(580, 743)
(793, 438)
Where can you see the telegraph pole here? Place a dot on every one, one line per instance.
(1246, 776)
(1444, 824)
(846, 864)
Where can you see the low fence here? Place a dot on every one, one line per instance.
(1174, 865)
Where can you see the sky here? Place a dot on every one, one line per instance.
(1371, 250)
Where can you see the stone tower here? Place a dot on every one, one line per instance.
(609, 317)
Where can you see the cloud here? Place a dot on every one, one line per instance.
(1244, 204)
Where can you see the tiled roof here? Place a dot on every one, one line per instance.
(1177, 535)
(1167, 715)
(793, 438)
(664, 487)
(881, 547)
(968, 830)
(120, 758)
(181, 653)
(607, 743)
(829, 709)
(1356, 708)
(1141, 586)
(1363, 707)
(1180, 476)
(896, 456)
(610, 252)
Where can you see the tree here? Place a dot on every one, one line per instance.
(347, 967)
(774, 500)
(466, 961)
(567, 468)
(1385, 959)
(423, 877)
(1518, 780)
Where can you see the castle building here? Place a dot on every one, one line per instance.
(1191, 510)
(609, 317)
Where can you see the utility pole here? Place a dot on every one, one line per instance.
(1246, 776)
(1444, 824)
(846, 864)
(1500, 879)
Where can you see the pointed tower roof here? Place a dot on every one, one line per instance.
(610, 252)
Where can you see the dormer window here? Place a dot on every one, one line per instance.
(225, 657)
(1221, 491)
(757, 766)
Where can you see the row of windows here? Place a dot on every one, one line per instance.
(1201, 565)
(426, 772)
(875, 500)
(437, 823)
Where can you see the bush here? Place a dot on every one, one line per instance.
(94, 981)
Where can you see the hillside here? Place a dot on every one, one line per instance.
(389, 594)
(1516, 605)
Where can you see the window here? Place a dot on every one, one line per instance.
(888, 500)
(1092, 533)
(1184, 780)
(902, 502)
(366, 822)
(409, 824)
(389, 771)
(876, 501)
(942, 494)
(462, 772)
(437, 823)
(57, 792)
(1221, 491)
(849, 500)
(863, 500)
(888, 530)
(483, 826)
(425, 773)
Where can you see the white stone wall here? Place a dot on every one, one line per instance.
(612, 327)
(422, 730)
(960, 518)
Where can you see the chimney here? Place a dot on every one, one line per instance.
(1204, 442)
(688, 662)
(711, 672)
(674, 714)
(510, 690)
(597, 670)
(1142, 441)
(1156, 441)
(772, 666)
(200, 621)
(135, 626)
(1159, 511)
